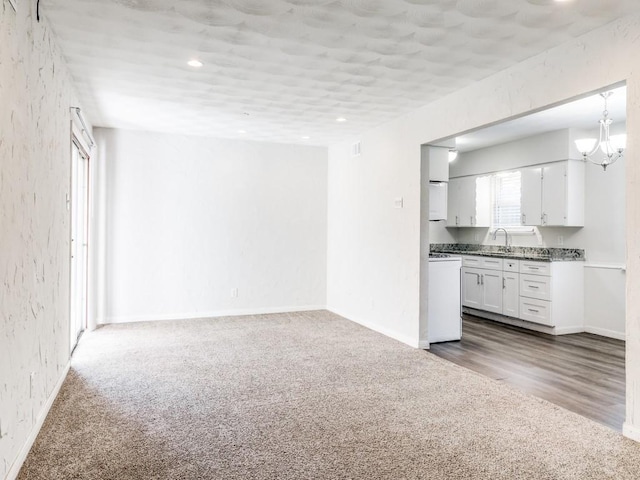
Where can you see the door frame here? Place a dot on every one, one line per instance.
(77, 140)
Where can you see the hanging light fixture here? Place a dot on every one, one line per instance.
(611, 146)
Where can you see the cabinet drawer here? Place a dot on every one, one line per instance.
(491, 263)
(537, 311)
(511, 265)
(535, 268)
(471, 261)
(535, 286)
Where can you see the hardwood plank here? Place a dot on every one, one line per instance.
(581, 372)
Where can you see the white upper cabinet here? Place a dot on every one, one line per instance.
(438, 163)
(563, 194)
(553, 194)
(469, 202)
(531, 196)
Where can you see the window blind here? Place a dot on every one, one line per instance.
(506, 199)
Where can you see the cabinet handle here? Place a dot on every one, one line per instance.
(533, 310)
(533, 286)
(457, 220)
(482, 279)
(504, 285)
(544, 218)
(533, 268)
(471, 220)
(524, 219)
(477, 279)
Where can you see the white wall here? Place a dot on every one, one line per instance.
(373, 246)
(365, 239)
(35, 153)
(603, 234)
(189, 219)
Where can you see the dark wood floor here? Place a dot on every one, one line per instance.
(582, 372)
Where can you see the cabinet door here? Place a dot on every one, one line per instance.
(531, 196)
(510, 294)
(467, 201)
(491, 281)
(554, 194)
(482, 202)
(437, 201)
(471, 288)
(438, 163)
(453, 203)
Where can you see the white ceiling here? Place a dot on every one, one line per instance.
(281, 70)
(583, 114)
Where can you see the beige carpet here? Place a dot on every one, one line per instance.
(301, 396)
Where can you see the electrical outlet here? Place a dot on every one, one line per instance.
(399, 202)
(234, 293)
(560, 240)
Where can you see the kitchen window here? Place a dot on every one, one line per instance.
(505, 200)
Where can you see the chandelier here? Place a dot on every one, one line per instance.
(611, 146)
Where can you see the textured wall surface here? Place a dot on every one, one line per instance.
(35, 96)
(597, 60)
(190, 219)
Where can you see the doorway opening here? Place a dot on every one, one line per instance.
(554, 344)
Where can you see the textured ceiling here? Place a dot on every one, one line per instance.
(281, 70)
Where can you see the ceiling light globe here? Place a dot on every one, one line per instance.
(585, 145)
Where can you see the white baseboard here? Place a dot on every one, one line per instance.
(412, 342)
(631, 432)
(569, 330)
(516, 322)
(210, 314)
(606, 333)
(22, 456)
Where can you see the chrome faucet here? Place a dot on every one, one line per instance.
(506, 237)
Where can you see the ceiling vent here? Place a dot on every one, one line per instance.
(355, 149)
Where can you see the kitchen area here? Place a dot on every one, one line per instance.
(536, 232)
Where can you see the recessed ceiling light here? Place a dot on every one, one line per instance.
(341, 119)
(195, 63)
(305, 138)
(242, 131)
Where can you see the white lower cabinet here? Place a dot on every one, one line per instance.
(471, 288)
(482, 283)
(545, 293)
(492, 291)
(537, 311)
(535, 292)
(511, 294)
(535, 286)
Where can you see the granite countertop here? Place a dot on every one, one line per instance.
(540, 254)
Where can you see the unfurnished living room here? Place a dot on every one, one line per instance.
(287, 239)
